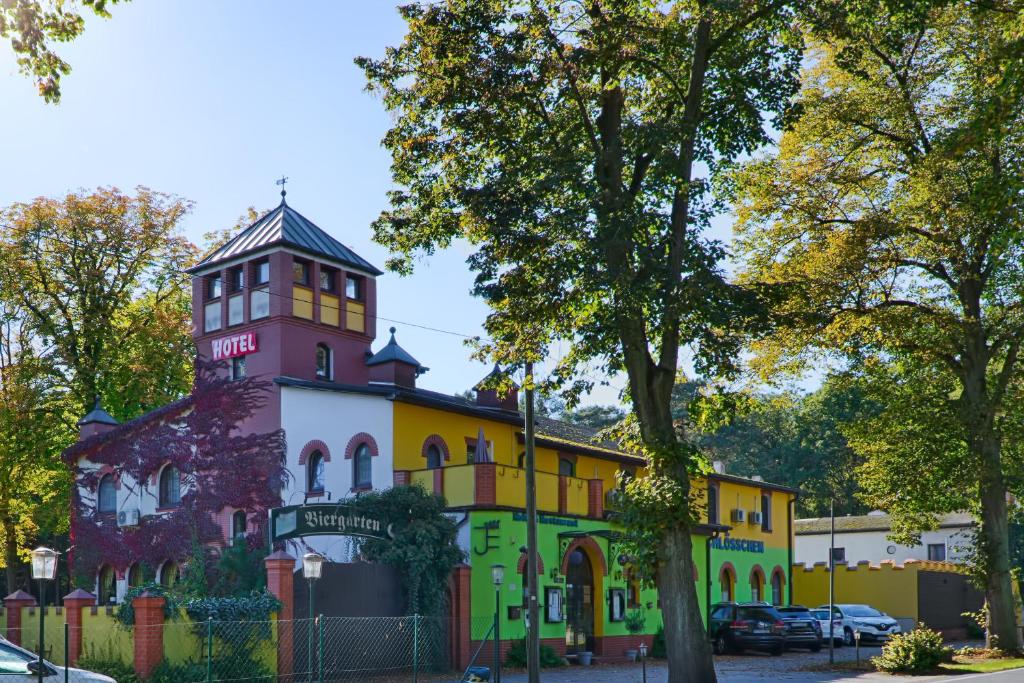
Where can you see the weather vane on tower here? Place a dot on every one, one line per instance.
(281, 182)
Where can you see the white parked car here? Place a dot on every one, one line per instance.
(821, 614)
(18, 665)
(872, 624)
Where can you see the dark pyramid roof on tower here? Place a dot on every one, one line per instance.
(287, 227)
(393, 352)
(98, 416)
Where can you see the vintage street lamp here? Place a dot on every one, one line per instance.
(497, 578)
(312, 569)
(44, 568)
(643, 659)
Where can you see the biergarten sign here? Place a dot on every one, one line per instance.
(325, 519)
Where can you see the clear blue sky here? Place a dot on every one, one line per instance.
(213, 101)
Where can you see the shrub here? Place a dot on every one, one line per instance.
(107, 661)
(658, 644)
(516, 657)
(636, 621)
(917, 651)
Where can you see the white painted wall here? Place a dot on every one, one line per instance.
(873, 546)
(334, 418)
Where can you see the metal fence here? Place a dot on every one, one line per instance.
(324, 649)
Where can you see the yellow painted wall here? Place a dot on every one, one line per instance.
(181, 641)
(732, 495)
(355, 318)
(302, 302)
(888, 587)
(103, 637)
(329, 309)
(53, 626)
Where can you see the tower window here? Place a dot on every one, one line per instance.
(211, 316)
(107, 495)
(236, 279)
(262, 272)
(354, 287)
(315, 473)
(323, 362)
(328, 277)
(300, 272)
(238, 368)
(362, 468)
(170, 487)
(213, 287)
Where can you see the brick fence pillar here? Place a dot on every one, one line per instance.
(149, 633)
(13, 604)
(460, 634)
(281, 584)
(74, 603)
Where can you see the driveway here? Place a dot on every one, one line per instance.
(754, 668)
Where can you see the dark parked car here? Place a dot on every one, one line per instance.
(802, 629)
(737, 627)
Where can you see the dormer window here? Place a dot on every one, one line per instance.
(323, 362)
(328, 279)
(262, 273)
(354, 287)
(300, 272)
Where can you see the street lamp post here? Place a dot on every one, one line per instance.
(498, 577)
(643, 659)
(312, 568)
(44, 568)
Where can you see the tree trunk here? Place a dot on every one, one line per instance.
(995, 537)
(686, 643)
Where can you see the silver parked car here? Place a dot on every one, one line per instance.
(18, 665)
(873, 624)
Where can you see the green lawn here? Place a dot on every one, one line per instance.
(978, 666)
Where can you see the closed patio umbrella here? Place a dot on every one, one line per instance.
(481, 454)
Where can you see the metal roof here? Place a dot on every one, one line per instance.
(876, 522)
(285, 226)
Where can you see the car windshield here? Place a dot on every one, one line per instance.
(821, 614)
(759, 613)
(794, 612)
(861, 611)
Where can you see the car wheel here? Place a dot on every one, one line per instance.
(848, 636)
(816, 647)
(778, 651)
(720, 646)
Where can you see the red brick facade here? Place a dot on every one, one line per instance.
(281, 584)
(486, 483)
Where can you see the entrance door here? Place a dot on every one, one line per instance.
(579, 598)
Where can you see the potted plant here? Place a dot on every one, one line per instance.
(636, 623)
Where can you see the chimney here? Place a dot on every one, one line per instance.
(718, 466)
(757, 477)
(96, 422)
(394, 365)
(489, 395)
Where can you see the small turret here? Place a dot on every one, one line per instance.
(394, 365)
(487, 391)
(96, 422)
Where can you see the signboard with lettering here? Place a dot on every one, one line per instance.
(324, 519)
(741, 544)
(235, 345)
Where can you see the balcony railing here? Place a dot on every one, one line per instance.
(495, 485)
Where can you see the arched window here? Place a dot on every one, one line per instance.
(168, 574)
(238, 526)
(323, 362)
(756, 584)
(107, 585)
(434, 457)
(362, 467)
(106, 496)
(315, 473)
(566, 467)
(135, 575)
(170, 487)
(728, 581)
(777, 587)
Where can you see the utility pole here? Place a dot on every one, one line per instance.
(832, 582)
(532, 609)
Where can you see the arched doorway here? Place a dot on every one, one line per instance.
(579, 603)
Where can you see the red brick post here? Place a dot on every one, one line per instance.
(149, 633)
(74, 603)
(281, 584)
(595, 498)
(485, 479)
(401, 477)
(13, 604)
(460, 634)
(439, 481)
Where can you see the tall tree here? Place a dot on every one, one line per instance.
(890, 223)
(565, 141)
(101, 278)
(33, 25)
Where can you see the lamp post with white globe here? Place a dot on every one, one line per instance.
(312, 569)
(44, 568)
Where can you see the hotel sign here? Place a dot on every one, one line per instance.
(235, 345)
(325, 519)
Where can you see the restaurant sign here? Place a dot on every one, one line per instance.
(743, 545)
(235, 345)
(325, 519)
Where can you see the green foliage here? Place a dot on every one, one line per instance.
(257, 606)
(636, 621)
(914, 652)
(658, 644)
(236, 663)
(423, 549)
(125, 613)
(240, 570)
(109, 661)
(516, 656)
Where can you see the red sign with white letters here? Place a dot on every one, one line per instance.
(235, 345)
